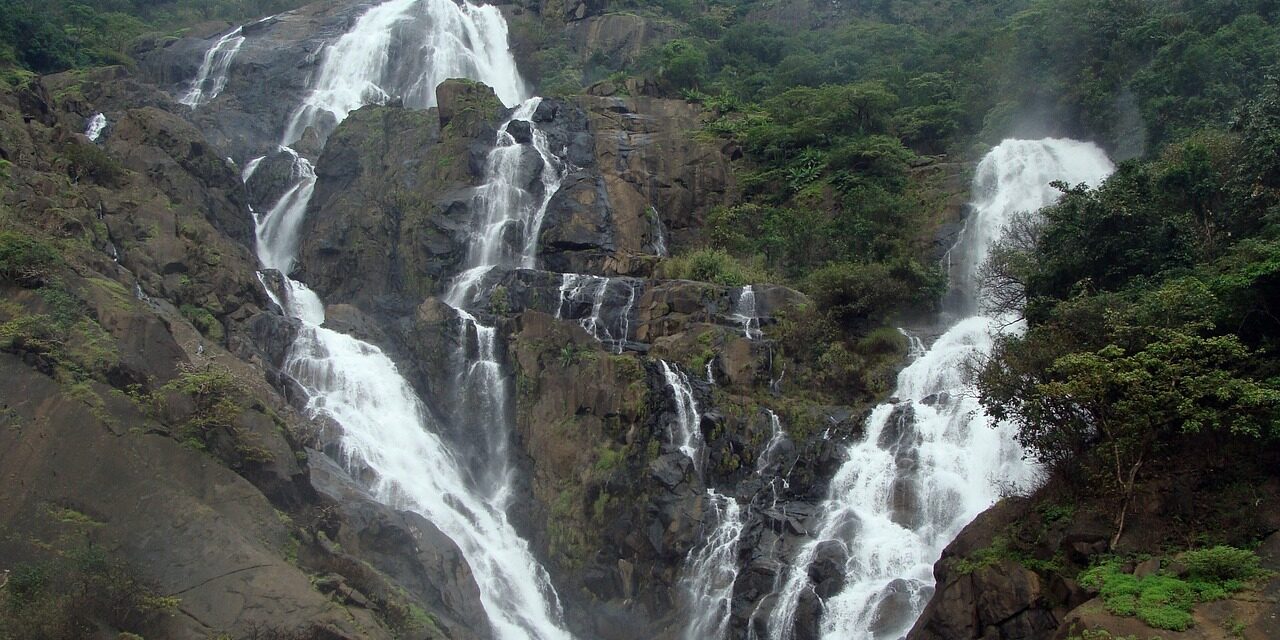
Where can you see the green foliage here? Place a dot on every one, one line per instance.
(711, 265)
(862, 295)
(1222, 563)
(1164, 601)
(204, 321)
(212, 425)
(47, 36)
(73, 594)
(25, 260)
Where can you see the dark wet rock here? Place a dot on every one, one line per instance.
(521, 131)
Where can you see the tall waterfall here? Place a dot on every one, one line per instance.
(404, 49)
(387, 433)
(711, 570)
(211, 79)
(932, 462)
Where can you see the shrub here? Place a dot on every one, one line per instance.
(26, 261)
(1222, 563)
(710, 265)
(204, 321)
(74, 595)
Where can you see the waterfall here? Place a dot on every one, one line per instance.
(611, 327)
(277, 231)
(931, 463)
(94, 128)
(211, 79)
(388, 435)
(506, 206)
(711, 570)
(745, 313)
(659, 240)
(404, 49)
(777, 436)
(686, 433)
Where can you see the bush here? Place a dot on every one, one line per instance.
(710, 265)
(26, 261)
(204, 321)
(74, 595)
(1164, 601)
(1222, 563)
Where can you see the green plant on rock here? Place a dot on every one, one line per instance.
(26, 261)
(74, 593)
(219, 400)
(204, 322)
(1164, 601)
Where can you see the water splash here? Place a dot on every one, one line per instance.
(930, 463)
(211, 79)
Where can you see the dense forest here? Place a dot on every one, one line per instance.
(1152, 349)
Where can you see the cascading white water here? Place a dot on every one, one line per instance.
(659, 239)
(503, 204)
(387, 433)
(711, 570)
(610, 327)
(94, 128)
(211, 79)
(745, 313)
(686, 433)
(405, 49)
(931, 463)
(277, 231)
(776, 437)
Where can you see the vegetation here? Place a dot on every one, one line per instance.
(1165, 601)
(47, 36)
(1152, 334)
(74, 594)
(213, 422)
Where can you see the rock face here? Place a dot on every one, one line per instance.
(144, 410)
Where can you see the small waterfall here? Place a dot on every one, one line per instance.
(251, 167)
(507, 208)
(686, 432)
(211, 79)
(94, 128)
(745, 313)
(612, 327)
(659, 241)
(404, 49)
(712, 569)
(711, 376)
(767, 461)
(929, 464)
(277, 231)
(915, 346)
